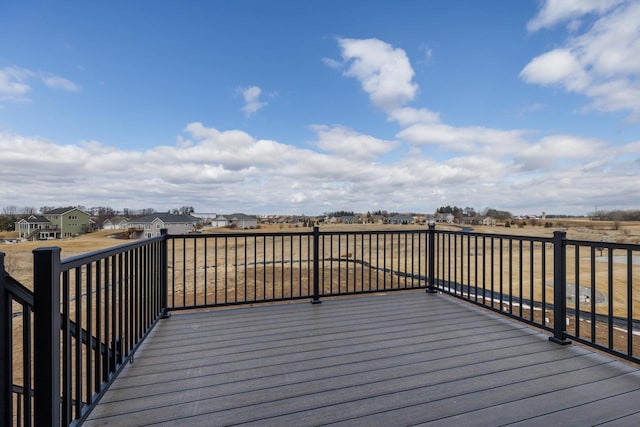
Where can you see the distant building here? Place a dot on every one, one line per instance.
(448, 218)
(220, 221)
(54, 224)
(36, 227)
(489, 221)
(205, 217)
(401, 219)
(347, 219)
(237, 220)
(150, 225)
(116, 223)
(242, 221)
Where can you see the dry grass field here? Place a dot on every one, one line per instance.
(18, 260)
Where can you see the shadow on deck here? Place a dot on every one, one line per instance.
(400, 359)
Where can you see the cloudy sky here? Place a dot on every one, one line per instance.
(315, 106)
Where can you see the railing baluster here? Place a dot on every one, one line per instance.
(316, 266)
(630, 302)
(66, 351)
(610, 297)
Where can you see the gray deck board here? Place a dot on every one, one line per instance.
(400, 359)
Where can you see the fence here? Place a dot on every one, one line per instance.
(88, 314)
(76, 331)
(213, 270)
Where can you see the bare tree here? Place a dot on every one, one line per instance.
(10, 210)
(28, 210)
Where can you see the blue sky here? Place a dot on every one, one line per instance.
(309, 106)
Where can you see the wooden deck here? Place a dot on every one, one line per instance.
(398, 359)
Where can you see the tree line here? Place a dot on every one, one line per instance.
(616, 215)
(470, 212)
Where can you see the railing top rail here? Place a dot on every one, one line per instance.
(296, 233)
(242, 234)
(498, 236)
(604, 245)
(18, 290)
(80, 260)
(356, 232)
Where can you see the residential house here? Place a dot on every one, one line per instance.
(347, 219)
(236, 220)
(36, 227)
(205, 218)
(448, 218)
(71, 221)
(150, 225)
(220, 221)
(55, 224)
(489, 221)
(116, 223)
(242, 221)
(401, 219)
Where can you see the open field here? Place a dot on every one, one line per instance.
(18, 260)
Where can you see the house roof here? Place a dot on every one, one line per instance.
(60, 211)
(164, 217)
(116, 219)
(35, 219)
(242, 217)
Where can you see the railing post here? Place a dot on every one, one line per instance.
(559, 289)
(431, 259)
(316, 266)
(46, 308)
(164, 271)
(5, 349)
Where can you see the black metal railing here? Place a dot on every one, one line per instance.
(16, 351)
(64, 344)
(603, 296)
(513, 275)
(525, 277)
(84, 320)
(240, 268)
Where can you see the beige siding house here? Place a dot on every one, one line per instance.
(150, 225)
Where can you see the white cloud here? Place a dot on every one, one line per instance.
(555, 11)
(383, 71)
(558, 66)
(13, 86)
(233, 171)
(557, 151)
(465, 139)
(350, 144)
(407, 116)
(602, 63)
(57, 82)
(332, 63)
(16, 83)
(252, 101)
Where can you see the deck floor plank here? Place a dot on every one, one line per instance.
(398, 359)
